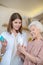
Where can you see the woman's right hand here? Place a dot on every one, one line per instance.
(4, 44)
(3, 49)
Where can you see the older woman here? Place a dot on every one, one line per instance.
(34, 53)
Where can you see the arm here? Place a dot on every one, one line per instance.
(36, 60)
(31, 57)
(3, 42)
(3, 49)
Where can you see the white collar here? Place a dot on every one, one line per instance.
(12, 34)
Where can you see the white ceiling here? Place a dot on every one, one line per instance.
(30, 7)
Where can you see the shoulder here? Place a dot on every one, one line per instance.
(22, 35)
(4, 34)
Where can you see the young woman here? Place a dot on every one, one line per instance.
(34, 53)
(13, 37)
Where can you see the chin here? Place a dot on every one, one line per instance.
(16, 29)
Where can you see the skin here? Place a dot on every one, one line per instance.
(3, 49)
(16, 25)
(35, 32)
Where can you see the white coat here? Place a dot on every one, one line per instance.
(12, 44)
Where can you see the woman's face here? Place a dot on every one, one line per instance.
(17, 24)
(34, 31)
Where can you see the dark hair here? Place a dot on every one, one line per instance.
(12, 18)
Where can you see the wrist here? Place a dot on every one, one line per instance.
(25, 53)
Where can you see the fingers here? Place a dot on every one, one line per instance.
(3, 50)
(4, 44)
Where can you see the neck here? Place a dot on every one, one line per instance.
(15, 32)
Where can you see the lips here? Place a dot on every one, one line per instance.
(17, 27)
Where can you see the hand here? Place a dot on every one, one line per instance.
(3, 49)
(24, 47)
(17, 53)
(4, 44)
(22, 50)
